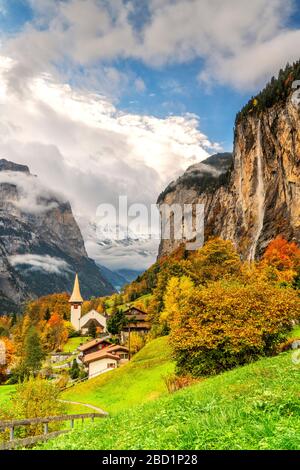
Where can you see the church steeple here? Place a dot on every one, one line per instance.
(76, 301)
(76, 295)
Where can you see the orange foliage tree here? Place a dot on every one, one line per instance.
(281, 260)
(6, 355)
(55, 334)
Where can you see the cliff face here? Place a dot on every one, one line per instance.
(41, 246)
(259, 199)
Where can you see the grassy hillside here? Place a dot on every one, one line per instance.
(73, 343)
(138, 381)
(252, 407)
(5, 393)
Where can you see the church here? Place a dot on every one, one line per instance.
(81, 322)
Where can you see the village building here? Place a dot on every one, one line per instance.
(104, 359)
(94, 345)
(137, 321)
(81, 322)
(100, 362)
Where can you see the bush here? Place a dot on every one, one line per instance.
(176, 382)
(221, 326)
(36, 398)
(137, 342)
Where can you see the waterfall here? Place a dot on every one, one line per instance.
(260, 195)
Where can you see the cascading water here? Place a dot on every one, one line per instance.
(260, 195)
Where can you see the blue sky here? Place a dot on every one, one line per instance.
(170, 88)
(103, 98)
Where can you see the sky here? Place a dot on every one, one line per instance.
(103, 98)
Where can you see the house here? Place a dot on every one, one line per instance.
(100, 362)
(137, 321)
(82, 322)
(121, 351)
(105, 359)
(94, 345)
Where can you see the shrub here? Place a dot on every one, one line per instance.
(176, 382)
(36, 398)
(137, 342)
(222, 325)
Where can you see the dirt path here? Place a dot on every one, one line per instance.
(92, 407)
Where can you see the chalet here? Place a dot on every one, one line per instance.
(100, 362)
(82, 322)
(137, 321)
(94, 345)
(121, 351)
(105, 359)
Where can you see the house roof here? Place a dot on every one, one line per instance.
(128, 311)
(117, 347)
(102, 354)
(92, 343)
(76, 295)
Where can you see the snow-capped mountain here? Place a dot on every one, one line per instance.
(118, 248)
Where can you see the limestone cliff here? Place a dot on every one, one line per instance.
(259, 197)
(41, 246)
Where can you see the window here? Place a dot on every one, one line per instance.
(111, 365)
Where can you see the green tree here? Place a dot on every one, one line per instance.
(92, 329)
(75, 370)
(33, 352)
(116, 322)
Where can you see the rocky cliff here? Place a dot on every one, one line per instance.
(258, 197)
(41, 246)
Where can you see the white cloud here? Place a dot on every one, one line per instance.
(31, 196)
(223, 34)
(81, 145)
(46, 263)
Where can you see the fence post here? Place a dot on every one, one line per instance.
(45, 428)
(11, 433)
(72, 423)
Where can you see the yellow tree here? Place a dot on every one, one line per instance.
(177, 291)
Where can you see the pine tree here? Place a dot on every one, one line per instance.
(33, 352)
(47, 314)
(74, 371)
(92, 329)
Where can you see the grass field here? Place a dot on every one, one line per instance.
(73, 343)
(295, 332)
(251, 407)
(123, 307)
(5, 392)
(138, 381)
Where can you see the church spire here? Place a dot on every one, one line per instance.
(76, 295)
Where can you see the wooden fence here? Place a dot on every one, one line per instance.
(13, 424)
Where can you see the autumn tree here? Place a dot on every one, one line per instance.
(37, 398)
(281, 260)
(6, 356)
(176, 292)
(56, 333)
(135, 342)
(217, 259)
(223, 325)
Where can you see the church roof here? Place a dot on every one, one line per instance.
(76, 295)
